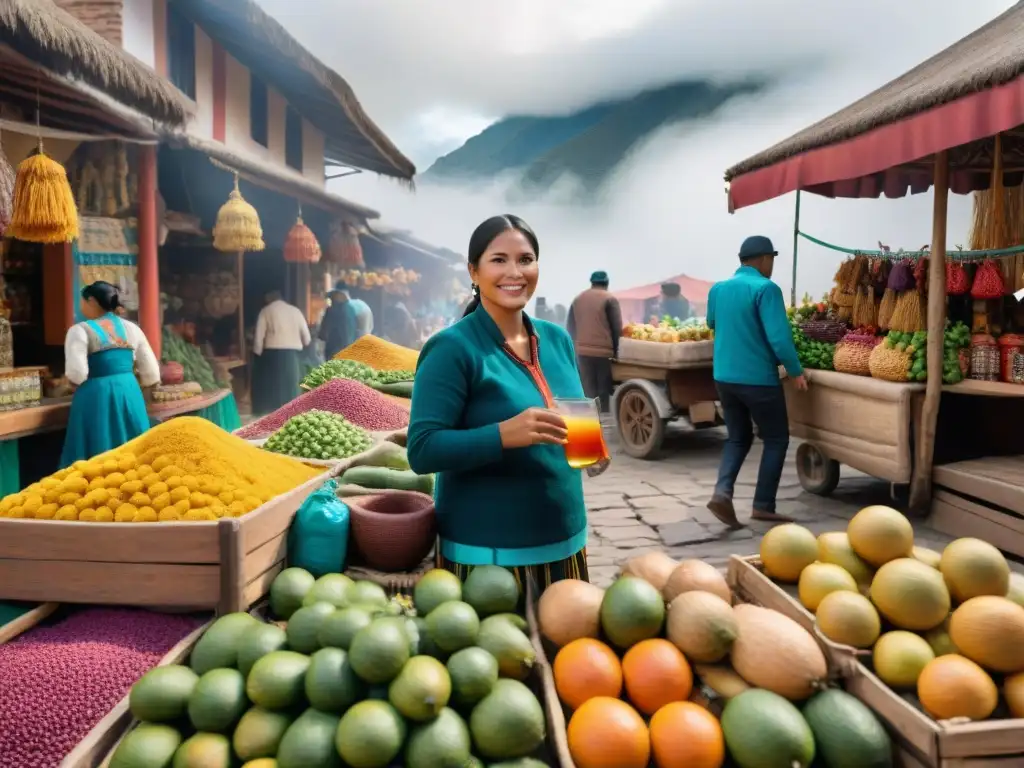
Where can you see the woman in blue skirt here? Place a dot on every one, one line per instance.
(100, 357)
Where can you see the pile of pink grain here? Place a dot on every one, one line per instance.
(57, 682)
(362, 405)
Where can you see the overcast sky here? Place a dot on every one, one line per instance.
(434, 74)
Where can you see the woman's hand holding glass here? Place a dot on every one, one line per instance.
(534, 426)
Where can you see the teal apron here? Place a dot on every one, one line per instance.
(108, 409)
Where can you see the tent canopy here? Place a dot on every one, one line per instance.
(884, 143)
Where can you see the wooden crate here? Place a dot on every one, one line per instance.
(922, 742)
(225, 565)
(97, 745)
(930, 744)
(557, 714)
(541, 682)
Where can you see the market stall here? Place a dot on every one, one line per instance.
(956, 132)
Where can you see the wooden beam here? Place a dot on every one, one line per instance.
(924, 449)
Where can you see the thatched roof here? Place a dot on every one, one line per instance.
(990, 56)
(52, 38)
(320, 94)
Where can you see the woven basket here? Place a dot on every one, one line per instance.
(852, 355)
(828, 331)
(393, 532)
(888, 364)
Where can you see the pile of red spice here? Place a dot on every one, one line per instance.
(362, 405)
(57, 682)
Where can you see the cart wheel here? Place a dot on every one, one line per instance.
(818, 474)
(640, 427)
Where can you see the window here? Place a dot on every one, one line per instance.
(181, 51)
(258, 111)
(293, 139)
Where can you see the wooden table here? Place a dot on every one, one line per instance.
(52, 414)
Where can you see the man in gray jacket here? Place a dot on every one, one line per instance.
(595, 324)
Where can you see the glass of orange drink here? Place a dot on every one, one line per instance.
(584, 445)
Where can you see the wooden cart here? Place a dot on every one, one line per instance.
(865, 423)
(647, 397)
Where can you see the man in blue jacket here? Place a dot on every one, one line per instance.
(752, 338)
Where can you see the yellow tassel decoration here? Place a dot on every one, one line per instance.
(301, 246)
(238, 225)
(44, 206)
(886, 308)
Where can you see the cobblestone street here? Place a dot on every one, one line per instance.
(641, 505)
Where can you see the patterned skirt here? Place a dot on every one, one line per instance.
(574, 567)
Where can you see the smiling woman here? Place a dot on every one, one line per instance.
(483, 418)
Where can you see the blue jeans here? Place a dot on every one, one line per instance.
(744, 405)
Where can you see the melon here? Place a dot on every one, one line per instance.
(954, 686)
(820, 579)
(849, 618)
(701, 625)
(834, 547)
(899, 657)
(972, 567)
(1016, 590)
(568, 610)
(696, 576)
(990, 631)
(775, 653)
(1013, 690)
(786, 550)
(879, 534)
(927, 556)
(653, 567)
(631, 610)
(939, 639)
(910, 594)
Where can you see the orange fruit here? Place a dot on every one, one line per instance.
(685, 735)
(584, 669)
(608, 733)
(656, 673)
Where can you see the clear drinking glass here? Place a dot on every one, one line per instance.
(585, 443)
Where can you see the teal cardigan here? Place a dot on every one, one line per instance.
(752, 333)
(515, 507)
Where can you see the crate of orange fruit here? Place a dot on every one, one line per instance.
(932, 641)
(670, 668)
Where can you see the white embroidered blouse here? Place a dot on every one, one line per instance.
(80, 343)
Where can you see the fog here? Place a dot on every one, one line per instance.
(432, 75)
(664, 211)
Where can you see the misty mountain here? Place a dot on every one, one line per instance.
(588, 144)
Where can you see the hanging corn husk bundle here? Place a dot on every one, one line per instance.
(344, 248)
(908, 315)
(44, 206)
(301, 246)
(7, 177)
(238, 225)
(865, 310)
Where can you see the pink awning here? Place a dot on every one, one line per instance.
(882, 160)
(693, 290)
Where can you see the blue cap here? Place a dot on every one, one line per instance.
(599, 277)
(757, 245)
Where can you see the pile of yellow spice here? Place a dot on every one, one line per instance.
(380, 354)
(184, 469)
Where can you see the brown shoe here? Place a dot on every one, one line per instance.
(770, 517)
(722, 508)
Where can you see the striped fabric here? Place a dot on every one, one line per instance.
(574, 567)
